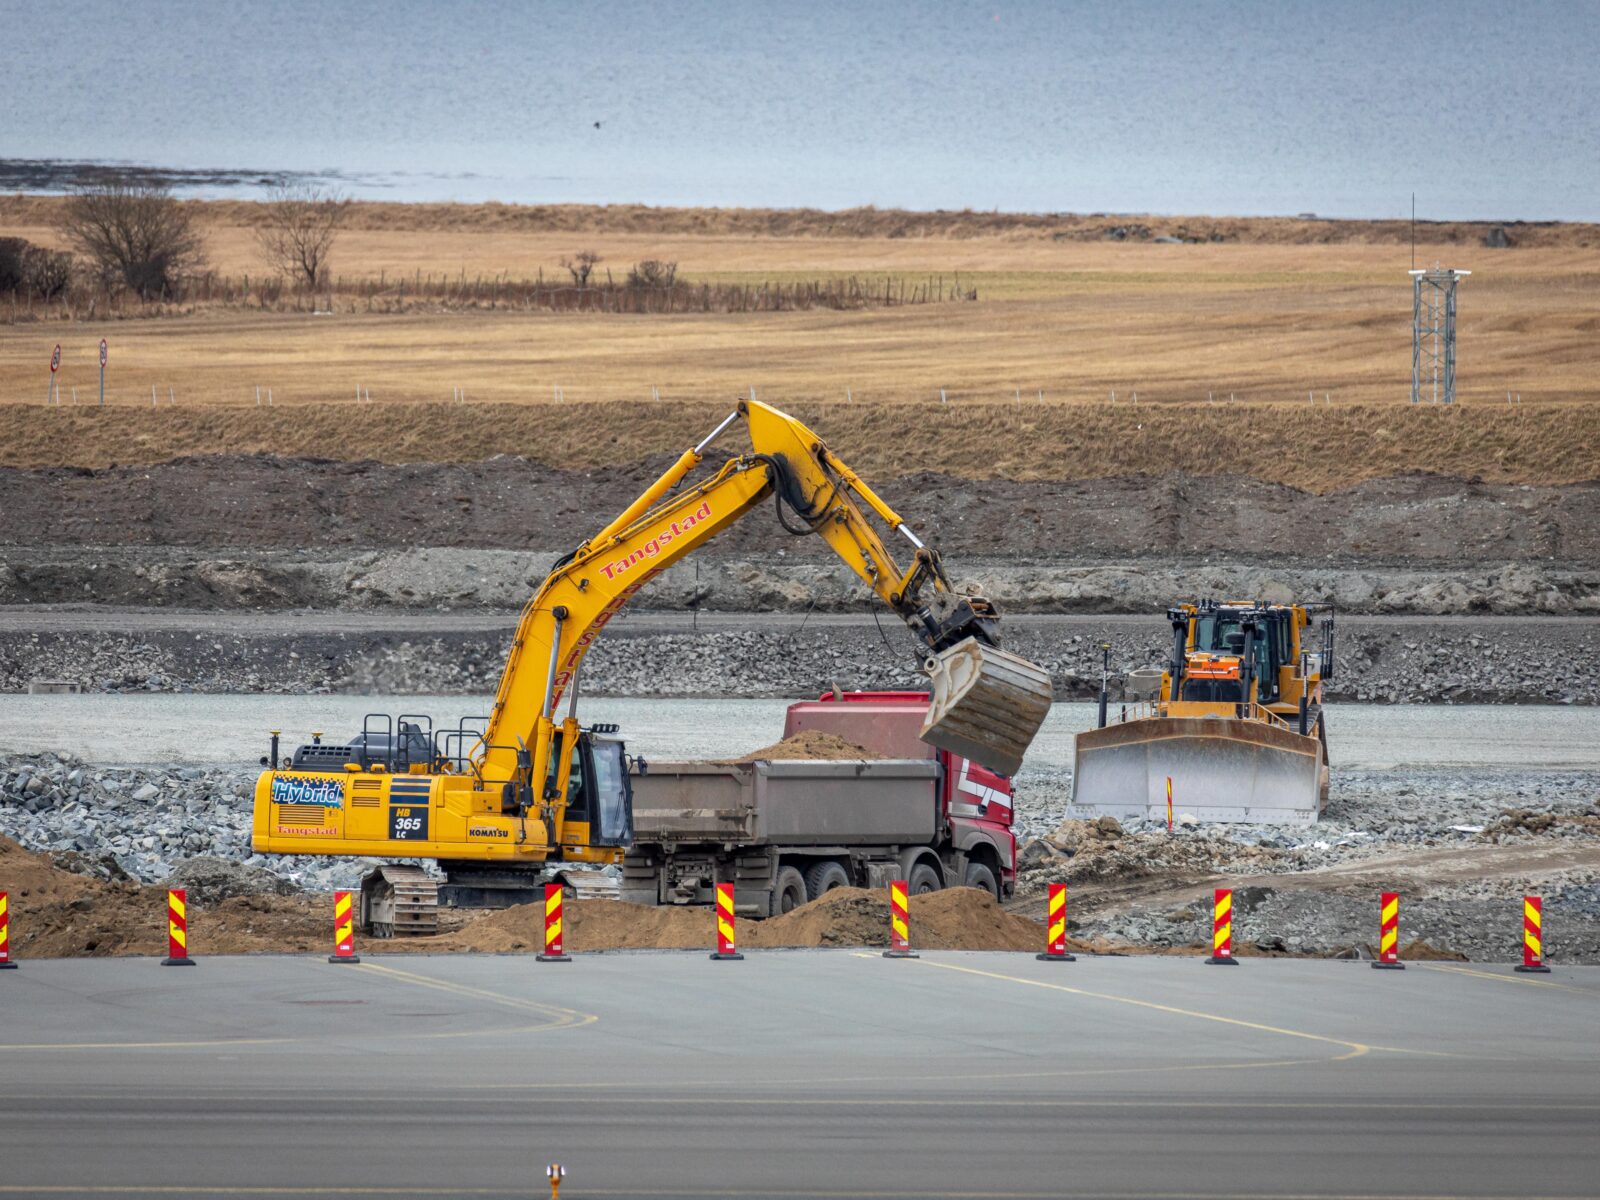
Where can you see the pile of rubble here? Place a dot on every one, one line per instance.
(1456, 661)
(150, 825)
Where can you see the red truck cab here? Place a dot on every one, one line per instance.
(975, 802)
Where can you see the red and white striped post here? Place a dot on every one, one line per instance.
(727, 940)
(5, 933)
(1222, 929)
(177, 929)
(1532, 936)
(553, 951)
(344, 930)
(1389, 934)
(899, 922)
(1055, 947)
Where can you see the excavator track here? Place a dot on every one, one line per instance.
(399, 900)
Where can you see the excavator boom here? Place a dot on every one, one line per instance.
(988, 704)
(530, 786)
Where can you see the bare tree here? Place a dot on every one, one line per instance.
(653, 273)
(581, 265)
(302, 223)
(134, 232)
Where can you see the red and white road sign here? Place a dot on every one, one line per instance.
(102, 352)
(55, 359)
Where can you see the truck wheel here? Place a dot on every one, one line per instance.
(823, 877)
(979, 876)
(788, 891)
(924, 879)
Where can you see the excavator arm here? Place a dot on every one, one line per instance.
(986, 704)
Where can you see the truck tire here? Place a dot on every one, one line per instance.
(788, 891)
(979, 876)
(924, 879)
(823, 877)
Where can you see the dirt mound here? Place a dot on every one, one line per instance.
(590, 925)
(57, 913)
(1314, 448)
(1422, 951)
(1524, 821)
(807, 744)
(956, 919)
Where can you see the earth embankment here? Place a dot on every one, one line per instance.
(1316, 447)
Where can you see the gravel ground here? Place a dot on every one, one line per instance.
(192, 825)
(1462, 846)
(1452, 660)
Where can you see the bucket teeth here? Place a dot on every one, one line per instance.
(986, 705)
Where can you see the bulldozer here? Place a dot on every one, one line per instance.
(1232, 729)
(523, 795)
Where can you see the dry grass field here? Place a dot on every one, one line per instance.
(1282, 309)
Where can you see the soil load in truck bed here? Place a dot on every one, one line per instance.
(807, 744)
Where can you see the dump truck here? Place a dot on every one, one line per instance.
(1234, 724)
(785, 831)
(503, 802)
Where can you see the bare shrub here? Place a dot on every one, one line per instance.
(581, 265)
(13, 252)
(302, 223)
(135, 233)
(653, 273)
(46, 273)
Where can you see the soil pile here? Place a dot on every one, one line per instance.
(807, 744)
(1421, 950)
(56, 913)
(1304, 446)
(956, 919)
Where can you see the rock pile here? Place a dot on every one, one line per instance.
(1450, 661)
(180, 825)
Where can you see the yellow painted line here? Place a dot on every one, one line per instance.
(1357, 1049)
(1525, 980)
(560, 1018)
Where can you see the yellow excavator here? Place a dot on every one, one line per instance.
(1234, 724)
(497, 801)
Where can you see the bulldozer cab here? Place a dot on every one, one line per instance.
(1230, 633)
(599, 809)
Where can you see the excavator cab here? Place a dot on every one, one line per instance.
(599, 809)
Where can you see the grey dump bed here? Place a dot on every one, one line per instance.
(791, 803)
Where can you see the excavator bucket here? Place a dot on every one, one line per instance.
(986, 705)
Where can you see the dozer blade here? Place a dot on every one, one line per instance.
(986, 705)
(1222, 769)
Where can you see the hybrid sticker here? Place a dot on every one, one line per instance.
(329, 793)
